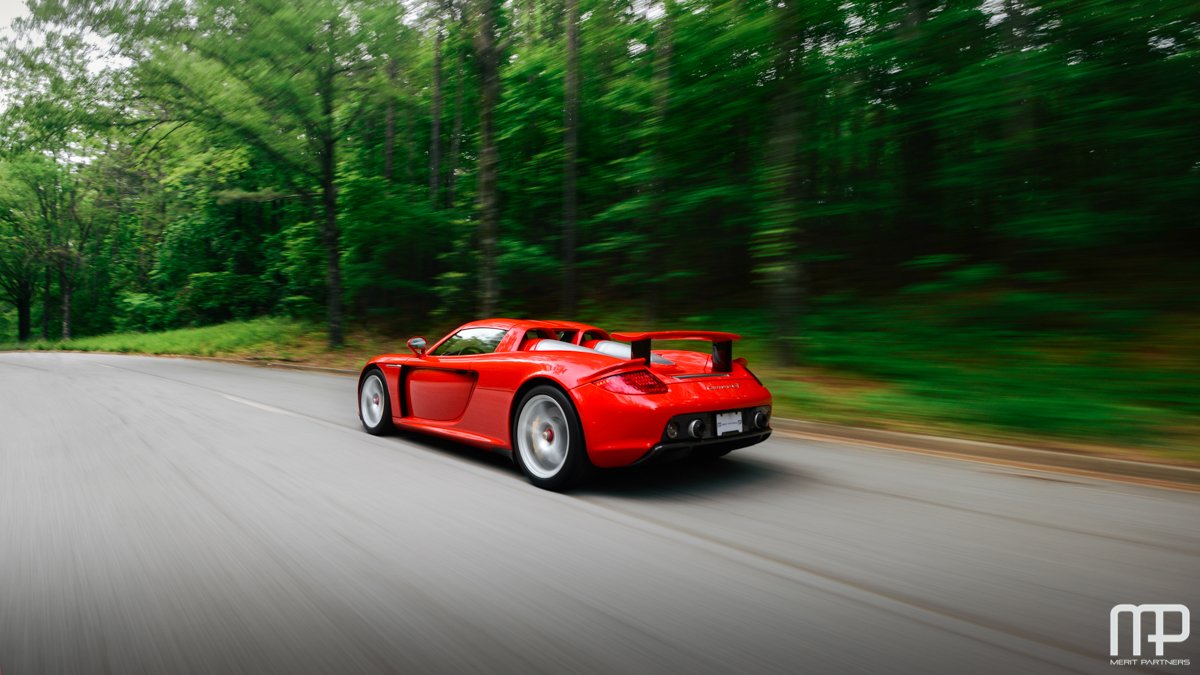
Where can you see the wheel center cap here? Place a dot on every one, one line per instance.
(375, 399)
(548, 434)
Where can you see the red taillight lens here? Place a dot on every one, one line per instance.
(635, 382)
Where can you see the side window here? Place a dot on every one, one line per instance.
(471, 341)
(593, 335)
(531, 335)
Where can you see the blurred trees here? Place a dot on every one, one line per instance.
(20, 253)
(487, 53)
(520, 157)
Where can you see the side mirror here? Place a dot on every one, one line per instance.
(417, 345)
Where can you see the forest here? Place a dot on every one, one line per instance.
(980, 213)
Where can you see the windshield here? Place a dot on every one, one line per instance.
(471, 341)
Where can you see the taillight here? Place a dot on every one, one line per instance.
(634, 382)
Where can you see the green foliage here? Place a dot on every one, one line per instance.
(295, 262)
(140, 312)
(300, 307)
(455, 287)
(820, 146)
(212, 297)
(391, 240)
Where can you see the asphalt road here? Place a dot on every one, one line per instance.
(175, 516)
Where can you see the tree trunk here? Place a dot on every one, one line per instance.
(571, 158)
(435, 131)
(24, 306)
(329, 237)
(389, 130)
(64, 289)
(778, 241)
(17, 282)
(1020, 121)
(18, 288)
(456, 132)
(46, 305)
(329, 230)
(655, 229)
(919, 210)
(1021, 145)
(489, 157)
(410, 150)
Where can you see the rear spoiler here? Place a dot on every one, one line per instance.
(722, 344)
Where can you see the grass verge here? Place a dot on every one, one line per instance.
(263, 339)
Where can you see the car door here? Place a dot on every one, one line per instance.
(440, 388)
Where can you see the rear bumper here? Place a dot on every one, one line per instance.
(622, 429)
(666, 452)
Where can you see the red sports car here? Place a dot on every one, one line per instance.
(563, 397)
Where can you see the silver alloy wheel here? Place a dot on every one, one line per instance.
(543, 436)
(370, 400)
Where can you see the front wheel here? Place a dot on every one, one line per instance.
(548, 439)
(373, 407)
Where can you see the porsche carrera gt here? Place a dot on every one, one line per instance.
(563, 398)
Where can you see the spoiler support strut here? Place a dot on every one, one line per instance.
(722, 345)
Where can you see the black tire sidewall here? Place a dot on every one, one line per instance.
(577, 464)
(385, 422)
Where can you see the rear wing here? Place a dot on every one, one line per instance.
(722, 344)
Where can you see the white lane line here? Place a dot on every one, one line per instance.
(260, 406)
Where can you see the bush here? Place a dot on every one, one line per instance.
(301, 307)
(214, 297)
(140, 312)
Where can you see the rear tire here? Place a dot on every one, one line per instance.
(547, 439)
(374, 408)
